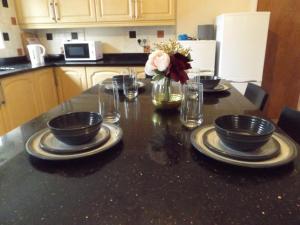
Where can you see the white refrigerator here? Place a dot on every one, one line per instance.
(241, 46)
(203, 53)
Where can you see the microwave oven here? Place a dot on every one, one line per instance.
(82, 50)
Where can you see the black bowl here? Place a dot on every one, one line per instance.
(244, 133)
(209, 82)
(76, 128)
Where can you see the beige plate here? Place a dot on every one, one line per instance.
(33, 145)
(288, 151)
(218, 88)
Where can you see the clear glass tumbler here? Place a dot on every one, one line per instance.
(130, 86)
(109, 103)
(191, 111)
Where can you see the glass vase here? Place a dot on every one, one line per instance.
(166, 94)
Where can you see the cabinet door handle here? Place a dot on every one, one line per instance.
(131, 9)
(2, 99)
(51, 10)
(56, 10)
(136, 9)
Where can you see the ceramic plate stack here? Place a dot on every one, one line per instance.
(218, 88)
(279, 150)
(44, 145)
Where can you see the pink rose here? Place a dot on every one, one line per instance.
(158, 60)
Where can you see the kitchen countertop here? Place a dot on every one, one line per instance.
(153, 176)
(22, 65)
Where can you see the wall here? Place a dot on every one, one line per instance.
(115, 40)
(191, 13)
(10, 40)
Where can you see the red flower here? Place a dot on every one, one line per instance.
(176, 70)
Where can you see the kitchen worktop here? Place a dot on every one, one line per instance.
(21, 64)
(153, 176)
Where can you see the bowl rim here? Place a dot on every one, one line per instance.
(248, 116)
(214, 78)
(74, 129)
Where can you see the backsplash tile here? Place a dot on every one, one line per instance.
(132, 34)
(10, 39)
(5, 3)
(5, 36)
(74, 35)
(13, 20)
(160, 33)
(49, 36)
(20, 51)
(114, 39)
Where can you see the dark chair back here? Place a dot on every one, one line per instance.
(289, 122)
(256, 95)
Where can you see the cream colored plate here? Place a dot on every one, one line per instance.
(218, 88)
(33, 145)
(288, 151)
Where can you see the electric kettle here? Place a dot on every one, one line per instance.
(36, 54)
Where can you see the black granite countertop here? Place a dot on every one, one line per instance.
(21, 64)
(153, 176)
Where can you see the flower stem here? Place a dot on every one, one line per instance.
(167, 90)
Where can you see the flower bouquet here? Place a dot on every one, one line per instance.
(167, 65)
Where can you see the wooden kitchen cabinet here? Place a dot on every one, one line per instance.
(43, 14)
(50, 13)
(46, 89)
(35, 11)
(71, 81)
(140, 72)
(115, 10)
(148, 10)
(2, 123)
(136, 11)
(96, 75)
(21, 102)
(75, 11)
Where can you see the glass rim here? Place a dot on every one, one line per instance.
(193, 82)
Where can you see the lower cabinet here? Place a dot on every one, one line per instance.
(140, 72)
(2, 123)
(20, 100)
(26, 96)
(96, 75)
(46, 89)
(71, 81)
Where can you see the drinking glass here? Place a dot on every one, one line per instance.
(109, 103)
(191, 112)
(130, 85)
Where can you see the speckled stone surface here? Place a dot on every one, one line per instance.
(154, 176)
(20, 64)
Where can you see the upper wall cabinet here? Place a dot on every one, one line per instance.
(47, 13)
(37, 14)
(115, 10)
(74, 11)
(35, 11)
(155, 10)
(136, 11)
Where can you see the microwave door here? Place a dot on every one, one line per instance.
(77, 51)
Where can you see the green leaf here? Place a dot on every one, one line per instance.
(162, 73)
(157, 77)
